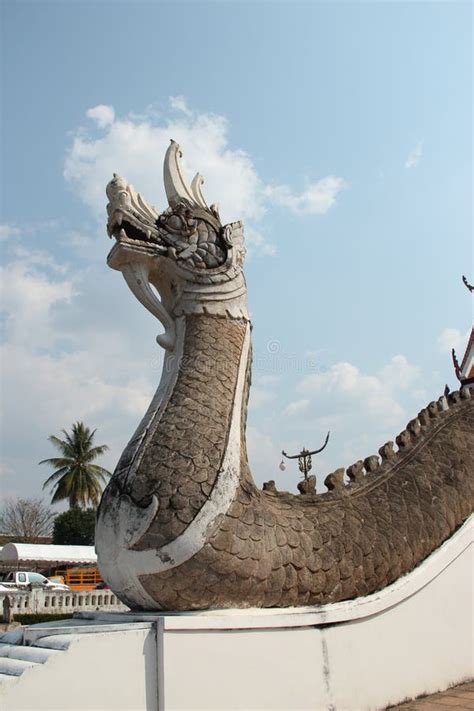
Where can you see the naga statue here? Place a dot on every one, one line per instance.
(181, 524)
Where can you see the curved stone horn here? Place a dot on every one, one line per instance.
(176, 185)
(198, 180)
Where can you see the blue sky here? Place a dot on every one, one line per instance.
(339, 132)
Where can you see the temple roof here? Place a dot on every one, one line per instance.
(465, 371)
(467, 364)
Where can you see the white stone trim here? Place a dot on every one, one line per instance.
(137, 276)
(195, 535)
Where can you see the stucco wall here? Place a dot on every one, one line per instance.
(362, 655)
(104, 671)
(421, 645)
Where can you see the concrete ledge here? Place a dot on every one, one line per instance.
(410, 639)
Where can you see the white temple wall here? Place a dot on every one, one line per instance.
(421, 645)
(412, 638)
(98, 671)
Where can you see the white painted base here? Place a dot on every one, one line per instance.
(412, 638)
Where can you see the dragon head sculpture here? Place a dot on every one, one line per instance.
(192, 260)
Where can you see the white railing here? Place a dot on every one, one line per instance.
(61, 601)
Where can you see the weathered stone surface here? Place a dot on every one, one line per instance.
(386, 451)
(182, 524)
(371, 463)
(335, 480)
(356, 472)
(168, 463)
(403, 439)
(308, 485)
(392, 526)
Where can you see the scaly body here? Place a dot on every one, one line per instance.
(182, 524)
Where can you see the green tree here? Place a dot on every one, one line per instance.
(76, 478)
(75, 528)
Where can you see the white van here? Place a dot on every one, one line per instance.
(22, 579)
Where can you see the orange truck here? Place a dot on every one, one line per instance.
(80, 578)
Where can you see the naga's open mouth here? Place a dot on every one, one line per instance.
(131, 219)
(187, 231)
(133, 233)
(122, 228)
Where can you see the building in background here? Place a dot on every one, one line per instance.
(465, 370)
(76, 566)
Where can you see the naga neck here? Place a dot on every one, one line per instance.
(181, 469)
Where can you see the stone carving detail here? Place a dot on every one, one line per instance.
(308, 485)
(356, 472)
(182, 524)
(334, 481)
(371, 463)
(386, 451)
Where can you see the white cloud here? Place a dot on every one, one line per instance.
(7, 231)
(350, 388)
(256, 243)
(296, 408)
(134, 146)
(86, 247)
(264, 456)
(414, 157)
(267, 380)
(317, 199)
(44, 393)
(263, 390)
(75, 385)
(103, 115)
(399, 374)
(362, 410)
(29, 258)
(260, 396)
(28, 298)
(453, 338)
(179, 103)
(64, 359)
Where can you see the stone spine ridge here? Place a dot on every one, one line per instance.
(422, 426)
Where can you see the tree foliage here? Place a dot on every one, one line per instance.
(26, 519)
(75, 527)
(76, 478)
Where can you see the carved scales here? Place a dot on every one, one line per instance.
(181, 524)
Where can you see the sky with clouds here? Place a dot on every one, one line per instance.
(339, 132)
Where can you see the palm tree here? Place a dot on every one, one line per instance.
(75, 477)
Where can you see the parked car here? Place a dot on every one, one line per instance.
(57, 579)
(22, 580)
